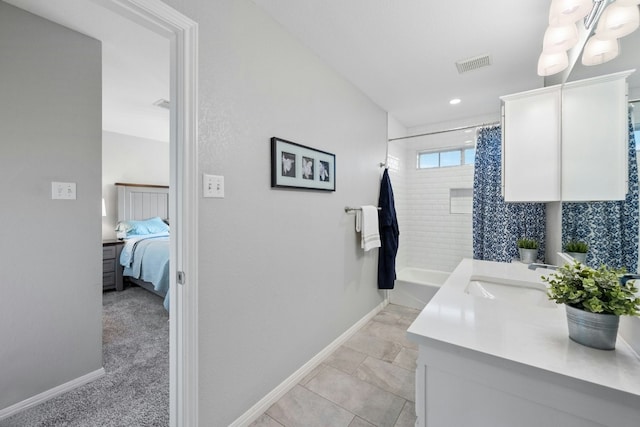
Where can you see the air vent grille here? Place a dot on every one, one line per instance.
(473, 63)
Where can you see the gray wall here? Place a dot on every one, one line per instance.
(50, 287)
(281, 272)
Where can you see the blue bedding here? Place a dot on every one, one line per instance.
(147, 258)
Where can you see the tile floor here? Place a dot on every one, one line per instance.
(368, 382)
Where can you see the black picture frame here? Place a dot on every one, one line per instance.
(298, 166)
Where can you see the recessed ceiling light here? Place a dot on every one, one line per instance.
(455, 101)
(468, 142)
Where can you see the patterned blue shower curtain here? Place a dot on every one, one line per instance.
(609, 228)
(498, 225)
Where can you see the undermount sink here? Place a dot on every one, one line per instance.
(511, 291)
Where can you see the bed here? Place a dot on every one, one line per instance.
(143, 224)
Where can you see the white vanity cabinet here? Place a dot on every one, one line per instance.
(566, 142)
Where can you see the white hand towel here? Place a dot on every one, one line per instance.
(368, 224)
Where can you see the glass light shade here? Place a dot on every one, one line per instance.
(618, 21)
(598, 51)
(552, 63)
(568, 11)
(104, 208)
(559, 38)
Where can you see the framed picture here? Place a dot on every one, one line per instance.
(296, 166)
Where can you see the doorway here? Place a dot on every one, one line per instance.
(182, 34)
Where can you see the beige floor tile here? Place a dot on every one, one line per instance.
(395, 333)
(359, 422)
(312, 374)
(407, 417)
(265, 421)
(303, 408)
(407, 359)
(387, 317)
(346, 359)
(371, 403)
(374, 346)
(386, 376)
(411, 313)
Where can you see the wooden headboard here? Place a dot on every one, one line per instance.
(140, 201)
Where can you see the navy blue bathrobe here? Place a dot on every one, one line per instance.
(389, 232)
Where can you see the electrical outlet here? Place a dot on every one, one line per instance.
(63, 190)
(212, 186)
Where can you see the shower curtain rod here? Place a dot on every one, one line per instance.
(446, 130)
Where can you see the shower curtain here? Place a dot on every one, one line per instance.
(609, 228)
(498, 225)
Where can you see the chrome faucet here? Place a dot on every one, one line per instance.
(535, 265)
(629, 276)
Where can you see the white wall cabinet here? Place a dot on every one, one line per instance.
(531, 145)
(566, 142)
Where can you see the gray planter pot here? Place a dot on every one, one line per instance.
(578, 256)
(528, 255)
(592, 329)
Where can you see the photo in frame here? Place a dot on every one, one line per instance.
(297, 166)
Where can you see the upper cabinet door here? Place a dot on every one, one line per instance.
(531, 146)
(567, 142)
(595, 139)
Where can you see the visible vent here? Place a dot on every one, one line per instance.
(473, 63)
(162, 103)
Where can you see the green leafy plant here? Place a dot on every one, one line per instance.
(577, 246)
(594, 290)
(527, 243)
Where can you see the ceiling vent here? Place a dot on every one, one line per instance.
(473, 63)
(162, 103)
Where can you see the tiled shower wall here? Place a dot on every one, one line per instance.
(430, 236)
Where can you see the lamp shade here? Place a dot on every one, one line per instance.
(598, 51)
(568, 11)
(559, 38)
(104, 208)
(618, 21)
(552, 63)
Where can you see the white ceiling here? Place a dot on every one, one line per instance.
(401, 53)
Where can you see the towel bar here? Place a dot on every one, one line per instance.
(347, 209)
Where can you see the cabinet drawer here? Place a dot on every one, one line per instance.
(108, 265)
(108, 252)
(108, 279)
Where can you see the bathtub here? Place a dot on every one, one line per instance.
(414, 287)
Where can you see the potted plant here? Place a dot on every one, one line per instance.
(528, 249)
(577, 249)
(594, 299)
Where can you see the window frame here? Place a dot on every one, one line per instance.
(460, 150)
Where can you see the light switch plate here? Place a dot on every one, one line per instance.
(212, 186)
(63, 190)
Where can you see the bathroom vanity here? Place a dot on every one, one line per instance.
(494, 351)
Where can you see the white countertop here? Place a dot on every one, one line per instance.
(533, 335)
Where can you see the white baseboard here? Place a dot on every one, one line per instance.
(51, 393)
(265, 403)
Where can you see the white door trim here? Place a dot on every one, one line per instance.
(183, 204)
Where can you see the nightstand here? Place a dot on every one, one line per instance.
(111, 268)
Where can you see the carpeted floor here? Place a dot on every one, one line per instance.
(135, 389)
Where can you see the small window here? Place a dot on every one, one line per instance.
(450, 158)
(441, 159)
(428, 160)
(470, 156)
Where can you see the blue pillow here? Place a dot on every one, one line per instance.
(141, 227)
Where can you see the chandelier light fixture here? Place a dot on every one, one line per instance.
(614, 18)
